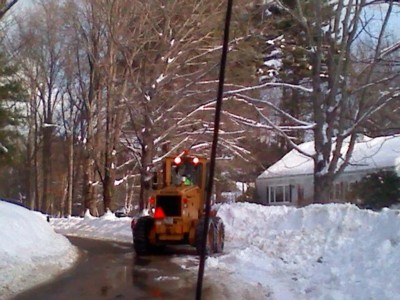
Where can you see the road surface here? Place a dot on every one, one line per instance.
(110, 270)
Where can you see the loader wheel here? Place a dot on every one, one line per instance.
(219, 240)
(141, 235)
(210, 236)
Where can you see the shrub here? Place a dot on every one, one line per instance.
(247, 196)
(378, 190)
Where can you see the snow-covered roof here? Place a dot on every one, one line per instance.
(369, 153)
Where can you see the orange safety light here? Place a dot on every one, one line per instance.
(177, 160)
(159, 213)
(196, 160)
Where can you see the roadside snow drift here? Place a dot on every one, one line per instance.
(30, 251)
(333, 251)
(317, 252)
(107, 227)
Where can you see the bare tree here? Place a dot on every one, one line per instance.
(40, 51)
(167, 54)
(101, 85)
(84, 89)
(98, 70)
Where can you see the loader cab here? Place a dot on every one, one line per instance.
(185, 170)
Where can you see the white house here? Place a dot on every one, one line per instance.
(290, 180)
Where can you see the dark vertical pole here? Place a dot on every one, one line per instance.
(214, 147)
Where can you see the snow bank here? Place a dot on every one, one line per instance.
(317, 252)
(332, 251)
(28, 245)
(106, 227)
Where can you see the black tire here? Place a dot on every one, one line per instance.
(210, 236)
(141, 232)
(219, 240)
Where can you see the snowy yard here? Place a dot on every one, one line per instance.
(317, 252)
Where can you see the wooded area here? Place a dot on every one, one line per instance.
(94, 93)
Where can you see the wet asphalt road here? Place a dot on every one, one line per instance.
(109, 270)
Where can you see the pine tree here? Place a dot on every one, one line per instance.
(287, 59)
(10, 117)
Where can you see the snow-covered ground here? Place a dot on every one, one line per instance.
(317, 252)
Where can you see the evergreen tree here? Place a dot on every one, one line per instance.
(378, 190)
(287, 60)
(10, 95)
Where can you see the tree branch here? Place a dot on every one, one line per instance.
(7, 7)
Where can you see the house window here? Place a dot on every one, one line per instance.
(300, 193)
(279, 194)
(339, 191)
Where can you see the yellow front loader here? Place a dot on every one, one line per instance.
(177, 209)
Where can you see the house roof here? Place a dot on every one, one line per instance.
(369, 153)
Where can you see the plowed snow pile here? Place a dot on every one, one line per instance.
(333, 251)
(30, 251)
(317, 252)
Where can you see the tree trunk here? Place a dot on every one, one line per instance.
(47, 202)
(322, 188)
(108, 190)
(144, 182)
(146, 161)
(88, 191)
(88, 167)
(38, 199)
(64, 197)
(128, 194)
(30, 167)
(70, 175)
(93, 99)
(218, 192)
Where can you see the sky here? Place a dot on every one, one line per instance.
(376, 13)
(24, 3)
(332, 251)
